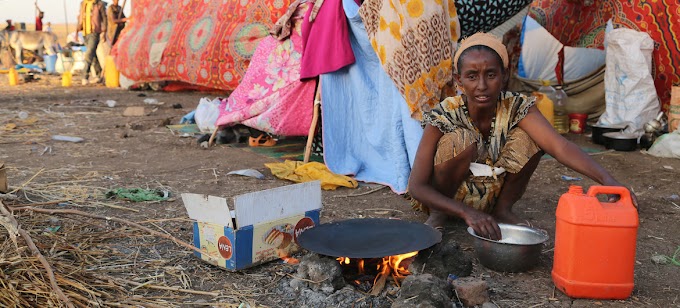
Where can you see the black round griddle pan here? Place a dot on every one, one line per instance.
(369, 238)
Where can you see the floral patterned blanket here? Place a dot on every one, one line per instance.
(271, 96)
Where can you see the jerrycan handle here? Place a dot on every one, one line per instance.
(612, 190)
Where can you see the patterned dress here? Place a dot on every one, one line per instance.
(508, 146)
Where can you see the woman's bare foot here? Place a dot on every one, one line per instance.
(436, 220)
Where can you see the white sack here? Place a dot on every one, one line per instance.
(667, 145)
(629, 87)
(206, 114)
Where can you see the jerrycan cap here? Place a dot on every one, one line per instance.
(576, 190)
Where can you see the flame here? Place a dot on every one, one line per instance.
(285, 256)
(343, 260)
(386, 267)
(395, 263)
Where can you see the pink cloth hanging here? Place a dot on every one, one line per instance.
(326, 46)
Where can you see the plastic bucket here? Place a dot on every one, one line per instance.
(50, 63)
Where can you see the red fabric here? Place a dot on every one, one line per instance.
(559, 67)
(177, 86)
(208, 43)
(577, 25)
(38, 23)
(325, 41)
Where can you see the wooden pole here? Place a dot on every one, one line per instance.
(66, 18)
(315, 119)
(122, 7)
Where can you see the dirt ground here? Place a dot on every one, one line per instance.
(140, 152)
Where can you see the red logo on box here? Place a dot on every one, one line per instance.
(224, 247)
(302, 226)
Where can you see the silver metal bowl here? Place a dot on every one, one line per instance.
(517, 251)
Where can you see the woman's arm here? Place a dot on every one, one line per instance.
(421, 189)
(565, 152)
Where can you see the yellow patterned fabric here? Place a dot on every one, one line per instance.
(452, 114)
(300, 172)
(415, 41)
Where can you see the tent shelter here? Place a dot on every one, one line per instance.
(204, 43)
(581, 24)
(583, 68)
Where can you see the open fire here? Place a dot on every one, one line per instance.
(371, 275)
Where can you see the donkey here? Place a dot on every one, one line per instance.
(31, 40)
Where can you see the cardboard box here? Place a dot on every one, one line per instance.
(263, 226)
(3, 179)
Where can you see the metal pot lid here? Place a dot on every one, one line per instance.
(619, 135)
(610, 126)
(369, 238)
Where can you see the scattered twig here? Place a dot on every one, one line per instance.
(142, 285)
(113, 206)
(178, 289)
(159, 228)
(552, 297)
(164, 220)
(361, 194)
(307, 280)
(385, 210)
(29, 180)
(41, 203)
(410, 298)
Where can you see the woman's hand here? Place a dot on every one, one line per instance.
(483, 224)
(614, 198)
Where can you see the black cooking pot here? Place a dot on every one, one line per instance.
(369, 238)
(620, 141)
(599, 129)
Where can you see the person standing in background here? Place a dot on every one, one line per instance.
(48, 28)
(9, 27)
(92, 21)
(39, 18)
(117, 20)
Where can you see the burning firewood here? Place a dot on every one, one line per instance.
(378, 270)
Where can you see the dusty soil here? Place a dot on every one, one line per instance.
(140, 152)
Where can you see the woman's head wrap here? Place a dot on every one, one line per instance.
(484, 39)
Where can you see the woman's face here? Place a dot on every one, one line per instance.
(481, 76)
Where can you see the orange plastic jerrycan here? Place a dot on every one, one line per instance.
(595, 244)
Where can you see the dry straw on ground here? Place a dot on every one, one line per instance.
(79, 264)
